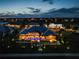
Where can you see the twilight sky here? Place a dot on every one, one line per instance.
(35, 6)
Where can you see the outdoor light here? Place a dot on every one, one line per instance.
(23, 37)
(8, 46)
(38, 40)
(51, 40)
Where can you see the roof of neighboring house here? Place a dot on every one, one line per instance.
(42, 29)
(2, 23)
(4, 29)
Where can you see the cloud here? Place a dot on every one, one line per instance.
(49, 1)
(31, 8)
(34, 10)
(64, 10)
